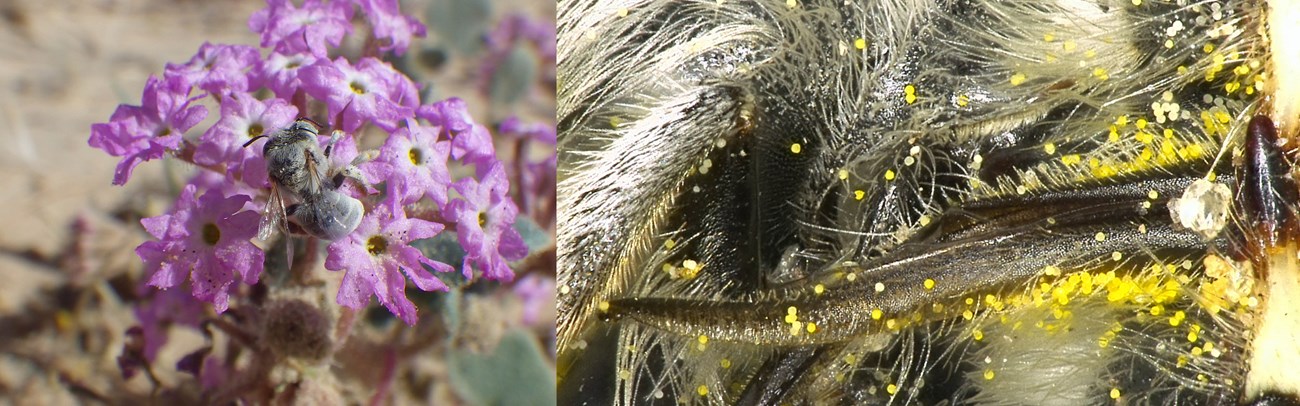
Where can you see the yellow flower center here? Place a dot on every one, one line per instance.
(255, 130)
(417, 156)
(482, 218)
(357, 88)
(376, 245)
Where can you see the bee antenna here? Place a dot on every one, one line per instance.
(313, 122)
(250, 142)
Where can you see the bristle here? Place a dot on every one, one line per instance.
(918, 201)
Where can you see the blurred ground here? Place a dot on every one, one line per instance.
(65, 64)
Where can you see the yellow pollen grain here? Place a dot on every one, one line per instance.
(880, 287)
(1050, 148)
(843, 174)
(1114, 392)
(1100, 236)
(1222, 117)
(622, 12)
(1069, 45)
(603, 306)
(725, 363)
(967, 315)
(890, 175)
(876, 314)
(792, 310)
(929, 284)
(1017, 79)
(703, 339)
(963, 100)
(796, 148)
(859, 194)
(812, 328)
(791, 3)
(1100, 73)
(1049, 37)
(1116, 255)
(703, 390)
(819, 289)
(1144, 137)
(977, 335)
(892, 389)
(860, 43)
(909, 94)
(988, 374)
(851, 277)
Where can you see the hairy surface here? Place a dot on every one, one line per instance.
(805, 202)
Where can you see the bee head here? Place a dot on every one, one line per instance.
(299, 131)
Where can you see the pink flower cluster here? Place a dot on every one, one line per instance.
(204, 241)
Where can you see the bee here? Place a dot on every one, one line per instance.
(1064, 202)
(300, 174)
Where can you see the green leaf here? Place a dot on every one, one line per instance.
(516, 373)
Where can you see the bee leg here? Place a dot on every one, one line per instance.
(335, 136)
(351, 172)
(884, 293)
(780, 375)
(364, 157)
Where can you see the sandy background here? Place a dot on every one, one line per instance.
(65, 64)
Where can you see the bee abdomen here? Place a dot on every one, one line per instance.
(330, 216)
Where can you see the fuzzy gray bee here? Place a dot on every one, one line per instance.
(300, 172)
(1063, 202)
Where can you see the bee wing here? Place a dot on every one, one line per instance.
(272, 215)
(313, 166)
